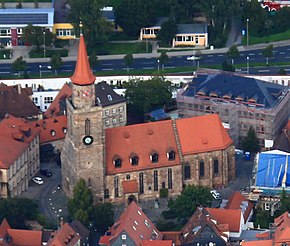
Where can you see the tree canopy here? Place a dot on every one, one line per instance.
(250, 142)
(233, 53)
(190, 198)
(167, 32)
(19, 65)
(268, 52)
(133, 15)
(146, 95)
(55, 62)
(128, 60)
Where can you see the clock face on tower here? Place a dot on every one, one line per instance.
(88, 140)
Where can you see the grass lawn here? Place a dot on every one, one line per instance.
(271, 38)
(125, 48)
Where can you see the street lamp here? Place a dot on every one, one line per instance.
(248, 68)
(44, 51)
(45, 67)
(248, 32)
(158, 61)
(40, 70)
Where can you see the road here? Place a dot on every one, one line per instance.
(52, 201)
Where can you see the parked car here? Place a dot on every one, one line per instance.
(45, 172)
(37, 180)
(216, 195)
(192, 58)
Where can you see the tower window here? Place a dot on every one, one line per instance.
(155, 181)
(87, 126)
(201, 169)
(116, 186)
(171, 155)
(141, 183)
(216, 166)
(106, 193)
(169, 178)
(154, 157)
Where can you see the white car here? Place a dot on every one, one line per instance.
(37, 180)
(216, 195)
(192, 58)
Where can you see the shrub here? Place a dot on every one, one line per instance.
(163, 192)
(169, 214)
(165, 226)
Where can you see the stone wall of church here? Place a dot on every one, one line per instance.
(218, 168)
(148, 177)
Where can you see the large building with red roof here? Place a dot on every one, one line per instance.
(19, 155)
(135, 162)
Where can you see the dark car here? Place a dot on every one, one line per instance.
(45, 172)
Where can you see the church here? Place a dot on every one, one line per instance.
(124, 163)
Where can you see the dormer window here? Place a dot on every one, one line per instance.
(109, 97)
(118, 163)
(134, 160)
(171, 155)
(154, 157)
(52, 132)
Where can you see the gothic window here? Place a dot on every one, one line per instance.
(201, 169)
(106, 193)
(169, 178)
(87, 127)
(141, 183)
(134, 160)
(187, 171)
(171, 155)
(154, 157)
(155, 183)
(216, 166)
(116, 186)
(118, 162)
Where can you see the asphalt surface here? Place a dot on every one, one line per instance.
(52, 201)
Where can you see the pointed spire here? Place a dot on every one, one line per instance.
(82, 74)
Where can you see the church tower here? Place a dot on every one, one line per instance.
(83, 151)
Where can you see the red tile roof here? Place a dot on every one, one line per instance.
(64, 236)
(130, 186)
(135, 224)
(156, 243)
(282, 232)
(83, 74)
(25, 237)
(15, 136)
(4, 227)
(202, 134)
(232, 217)
(54, 107)
(258, 243)
(16, 101)
(141, 140)
(51, 129)
(238, 201)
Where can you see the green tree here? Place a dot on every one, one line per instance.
(282, 71)
(19, 65)
(133, 15)
(227, 67)
(146, 95)
(128, 60)
(250, 142)
(17, 211)
(167, 32)
(55, 62)
(233, 53)
(80, 206)
(103, 216)
(163, 58)
(93, 59)
(38, 36)
(95, 27)
(190, 198)
(263, 218)
(268, 52)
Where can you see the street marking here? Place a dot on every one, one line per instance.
(210, 56)
(107, 69)
(287, 57)
(6, 72)
(209, 60)
(66, 65)
(288, 49)
(260, 53)
(242, 54)
(251, 54)
(124, 68)
(287, 69)
(148, 67)
(282, 53)
(147, 62)
(107, 64)
(65, 70)
(170, 67)
(220, 55)
(263, 71)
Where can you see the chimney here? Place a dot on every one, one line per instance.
(61, 223)
(19, 88)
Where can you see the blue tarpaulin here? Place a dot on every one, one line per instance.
(271, 169)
